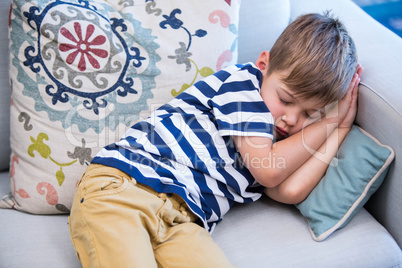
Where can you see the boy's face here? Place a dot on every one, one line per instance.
(291, 113)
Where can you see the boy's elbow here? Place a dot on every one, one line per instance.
(270, 184)
(270, 178)
(294, 195)
(288, 194)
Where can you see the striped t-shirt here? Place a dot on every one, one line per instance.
(186, 147)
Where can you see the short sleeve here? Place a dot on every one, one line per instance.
(238, 106)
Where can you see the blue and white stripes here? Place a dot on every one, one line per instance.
(185, 147)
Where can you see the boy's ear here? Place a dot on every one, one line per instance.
(263, 62)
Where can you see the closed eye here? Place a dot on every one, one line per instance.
(310, 115)
(285, 102)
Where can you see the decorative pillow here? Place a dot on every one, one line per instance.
(350, 180)
(82, 72)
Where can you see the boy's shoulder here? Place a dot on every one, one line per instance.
(241, 66)
(239, 69)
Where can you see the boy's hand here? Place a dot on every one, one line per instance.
(346, 109)
(352, 111)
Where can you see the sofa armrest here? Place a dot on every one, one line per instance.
(380, 96)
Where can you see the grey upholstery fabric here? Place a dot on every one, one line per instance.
(260, 27)
(270, 234)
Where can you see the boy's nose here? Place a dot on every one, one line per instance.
(290, 119)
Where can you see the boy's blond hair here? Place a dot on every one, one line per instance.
(319, 55)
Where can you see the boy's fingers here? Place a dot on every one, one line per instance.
(357, 82)
(354, 83)
(359, 70)
(356, 90)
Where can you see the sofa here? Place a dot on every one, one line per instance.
(264, 233)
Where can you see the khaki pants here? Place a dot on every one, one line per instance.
(117, 222)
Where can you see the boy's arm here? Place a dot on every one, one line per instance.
(262, 159)
(300, 183)
(271, 165)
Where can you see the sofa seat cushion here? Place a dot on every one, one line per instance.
(260, 234)
(270, 234)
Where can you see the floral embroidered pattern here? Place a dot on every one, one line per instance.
(44, 188)
(182, 54)
(24, 117)
(83, 47)
(224, 19)
(44, 151)
(176, 24)
(84, 56)
(21, 192)
(82, 154)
